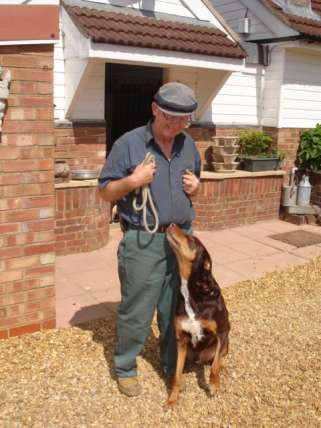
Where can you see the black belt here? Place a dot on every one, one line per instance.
(161, 229)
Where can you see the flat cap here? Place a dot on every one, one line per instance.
(176, 99)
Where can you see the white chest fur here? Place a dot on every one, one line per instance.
(191, 324)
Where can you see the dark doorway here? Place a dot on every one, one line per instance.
(128, 96)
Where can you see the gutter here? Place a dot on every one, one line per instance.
(285, 39)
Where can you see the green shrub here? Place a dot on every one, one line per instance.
(256, 144)
(310, 149)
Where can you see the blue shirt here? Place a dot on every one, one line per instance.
(172, 203)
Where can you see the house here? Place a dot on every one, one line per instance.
(280, 88)
(75, 88)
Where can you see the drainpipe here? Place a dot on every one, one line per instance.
(5, 78)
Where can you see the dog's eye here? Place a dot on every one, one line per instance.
(191, 244)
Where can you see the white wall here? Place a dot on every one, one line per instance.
(59, 79)
(301, 89)
(273, 87)
(233, 10)
(239, 100)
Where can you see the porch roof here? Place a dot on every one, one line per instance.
(308, 28)
(102, 26)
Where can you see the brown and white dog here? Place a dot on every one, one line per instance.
(201, 319)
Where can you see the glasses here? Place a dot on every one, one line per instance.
(177, 120)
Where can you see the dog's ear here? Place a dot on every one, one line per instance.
(203, 259)
(207, 264)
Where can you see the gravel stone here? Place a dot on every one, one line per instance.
(272, 375)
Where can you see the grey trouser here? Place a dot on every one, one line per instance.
(149, 280)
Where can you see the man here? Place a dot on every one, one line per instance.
(146, 265)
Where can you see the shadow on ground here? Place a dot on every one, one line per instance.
(104, 333)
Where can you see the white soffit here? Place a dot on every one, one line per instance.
(161, 58)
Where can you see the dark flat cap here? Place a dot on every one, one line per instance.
(176, 99)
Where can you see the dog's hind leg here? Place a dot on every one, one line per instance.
(182, 343)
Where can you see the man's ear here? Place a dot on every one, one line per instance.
(154, 108)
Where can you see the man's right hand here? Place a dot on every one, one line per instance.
(117, 189)
(143, 174)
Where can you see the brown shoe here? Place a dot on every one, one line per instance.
(129, 386)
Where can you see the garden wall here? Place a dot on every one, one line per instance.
(245, 198)
(27, 238)
(82, 218)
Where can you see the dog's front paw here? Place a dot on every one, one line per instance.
(212, 388)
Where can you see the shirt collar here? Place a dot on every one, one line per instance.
(150, 139)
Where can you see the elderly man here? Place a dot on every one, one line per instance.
(146, 265)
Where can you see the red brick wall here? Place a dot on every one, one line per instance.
(27, 193)
(231, 202)
(82, 220)
(83, 147)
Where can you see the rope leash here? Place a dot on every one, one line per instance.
(146, 198)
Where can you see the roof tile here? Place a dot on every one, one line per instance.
(129, 30)
(307, 27)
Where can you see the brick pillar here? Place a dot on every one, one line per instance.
(27, 193)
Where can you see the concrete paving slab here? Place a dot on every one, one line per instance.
(87, 285)
(258, 266)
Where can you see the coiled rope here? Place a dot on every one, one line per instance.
(146, 198)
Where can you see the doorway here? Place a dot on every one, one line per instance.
(129, 91)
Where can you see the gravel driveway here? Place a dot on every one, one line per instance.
(272, 375)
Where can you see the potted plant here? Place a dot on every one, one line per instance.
(309, 155)
(310, 149)
(256, 152)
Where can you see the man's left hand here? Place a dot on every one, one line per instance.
(190, 183)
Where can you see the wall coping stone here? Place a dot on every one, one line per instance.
(77, 183)
(205, 175)
(85, 123)
(208, 175)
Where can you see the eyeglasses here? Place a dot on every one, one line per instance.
(175, 120)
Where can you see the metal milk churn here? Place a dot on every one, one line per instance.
(304, 191)
(289, 193)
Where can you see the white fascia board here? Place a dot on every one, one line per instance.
(27, 42)
(270, 20)
(202, 12)
(162, 58)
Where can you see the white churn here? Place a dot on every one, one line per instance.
(304, 191)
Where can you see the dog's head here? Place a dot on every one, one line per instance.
(191, 254)
(194, 261)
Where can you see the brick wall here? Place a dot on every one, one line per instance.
(83, 146)
(231, 202)
(82, 220)
(27, 193)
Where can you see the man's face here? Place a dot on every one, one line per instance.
(169, 125)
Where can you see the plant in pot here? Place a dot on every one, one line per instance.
(256, 152)
(310, 149)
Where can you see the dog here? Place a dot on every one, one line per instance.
(201, 318)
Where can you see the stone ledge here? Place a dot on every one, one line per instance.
(208, 175)
(77, 183)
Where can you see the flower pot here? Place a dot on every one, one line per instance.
(260, 164)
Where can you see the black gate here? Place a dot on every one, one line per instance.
(128, 97)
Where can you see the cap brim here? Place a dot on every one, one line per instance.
(174, 113)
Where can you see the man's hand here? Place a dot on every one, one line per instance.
(143, 174)
(190, 183)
